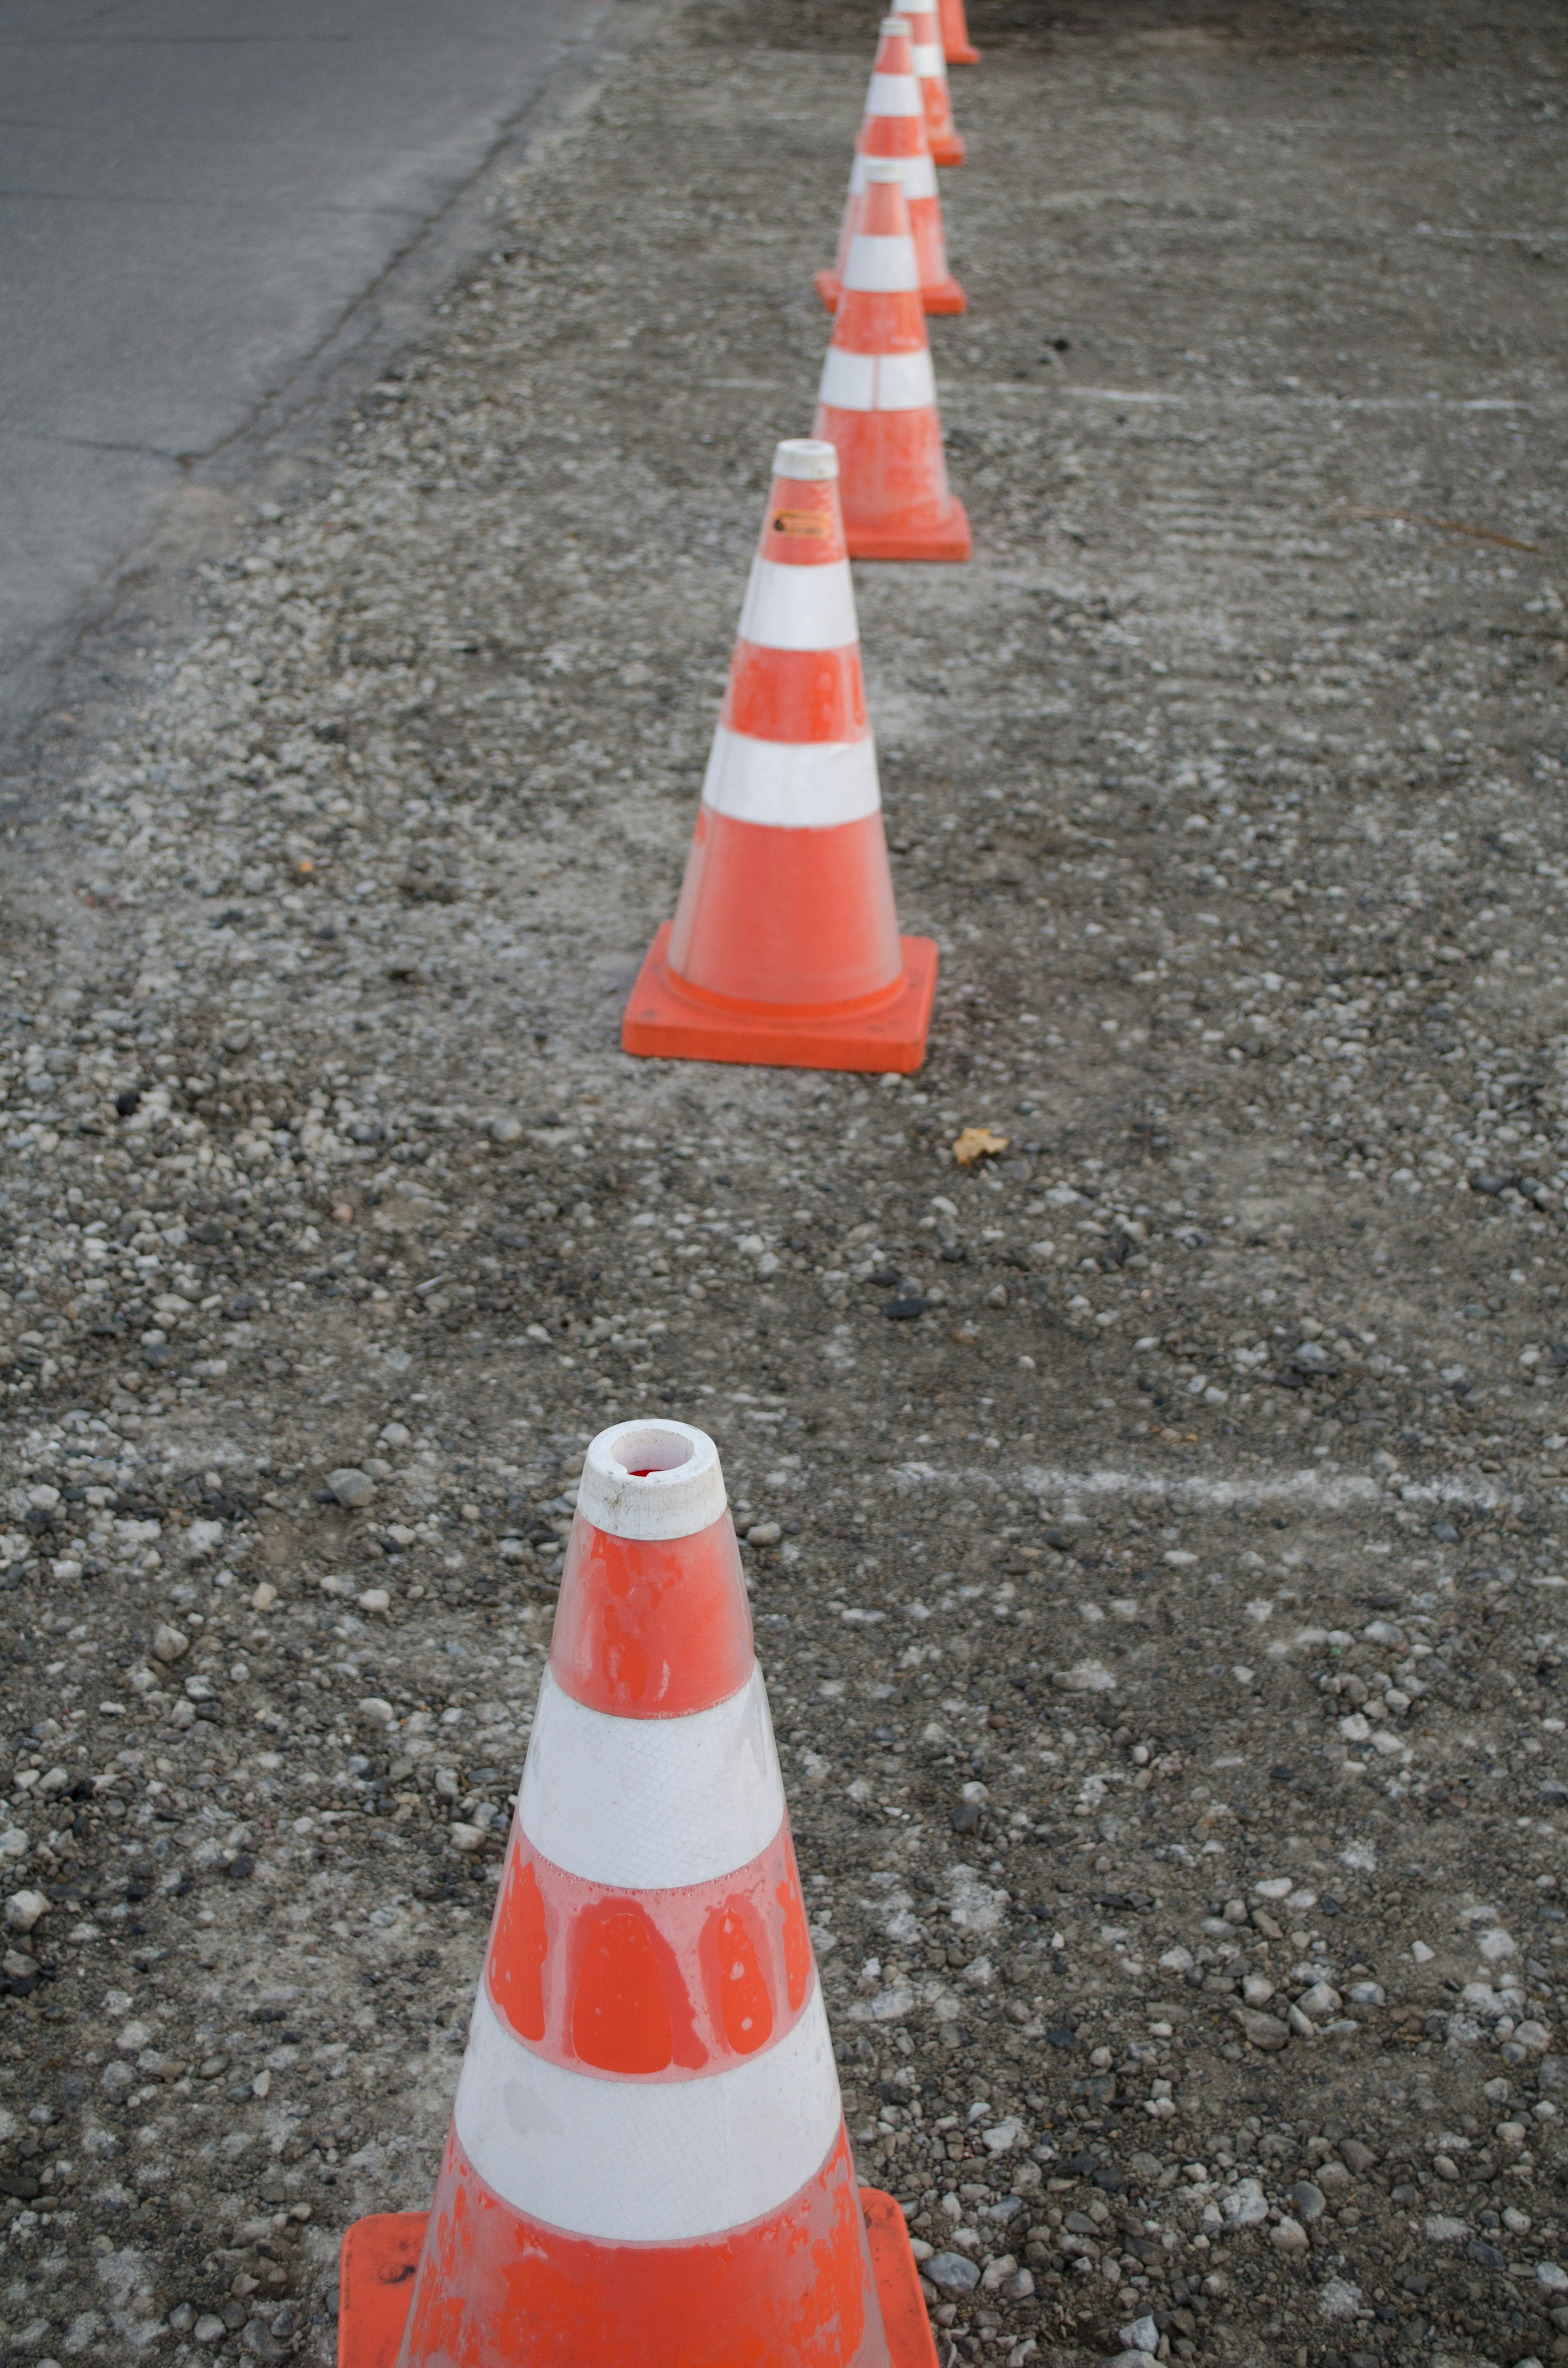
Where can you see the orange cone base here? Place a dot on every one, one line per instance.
(968, 57)
(946, 297)
(665, 1021)
(949, 540)
(948, 152)
(380, 2255)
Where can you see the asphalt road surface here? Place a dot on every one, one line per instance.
(193, 194)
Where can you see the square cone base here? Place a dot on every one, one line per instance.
(380, 2256)
(664, 1021)
(951, 540)
(946, 297)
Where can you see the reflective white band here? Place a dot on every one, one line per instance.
(882, 267)
(681, 1489)
(660, 2162)
(928, 62)
(791, 785)
(645, 1803)
(917, 174)
(800, 608)
(893, 95)
(877, 381)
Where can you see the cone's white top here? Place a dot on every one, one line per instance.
(883, 168)
(891, 25)
(806, 460)
(650, 1480)
(800, 608)
(645, 1803)
(917, 174)
(894, 94)
(791, 785)
(647, 2162)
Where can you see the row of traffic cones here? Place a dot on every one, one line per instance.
(785, 947)
(647, 2165)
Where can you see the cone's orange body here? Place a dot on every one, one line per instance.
(957, 47)
(877, 402)
(784, 945)
(647, 2166)
(931, 73)
(893, 130)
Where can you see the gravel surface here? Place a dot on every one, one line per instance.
(1155, 1524)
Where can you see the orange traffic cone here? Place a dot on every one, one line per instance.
(785, 947)
(648, 2166)
(894, 126)
(957, 47)
(931, 73)
(877, 404)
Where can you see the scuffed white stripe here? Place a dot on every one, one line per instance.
(877, 381)
(882, 267)
(928, 62)
(800, 608)
(917, 173)
(645, 1804)
(647, 2162)
(893, 95)
(791, 785)
(1343, 1492)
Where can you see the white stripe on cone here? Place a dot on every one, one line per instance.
(877, 381)
(893, 95)
(882, 267)
(917, 173)
(928, 61)
(645, 1803)
(791, 785)
(647, 2163)
(800, 608)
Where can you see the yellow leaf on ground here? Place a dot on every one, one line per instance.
(977, 1143)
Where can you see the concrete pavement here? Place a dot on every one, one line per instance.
(192, 197)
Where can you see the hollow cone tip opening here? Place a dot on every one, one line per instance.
(653, 1479)
(805, 458)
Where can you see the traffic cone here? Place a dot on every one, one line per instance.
(931, 73)
(647, 2166)
(877, 404)
(894, 126)
(957, 47)
(785, 947)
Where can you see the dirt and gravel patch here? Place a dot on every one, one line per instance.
(1156, 1527)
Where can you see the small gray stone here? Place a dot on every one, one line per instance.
(1307, 2201)
(1289, 2236)
(1264, 2031)
(209, 2328)
(1142, 2335)
(170, 1642)
(351, 1486)
(950, 2273)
